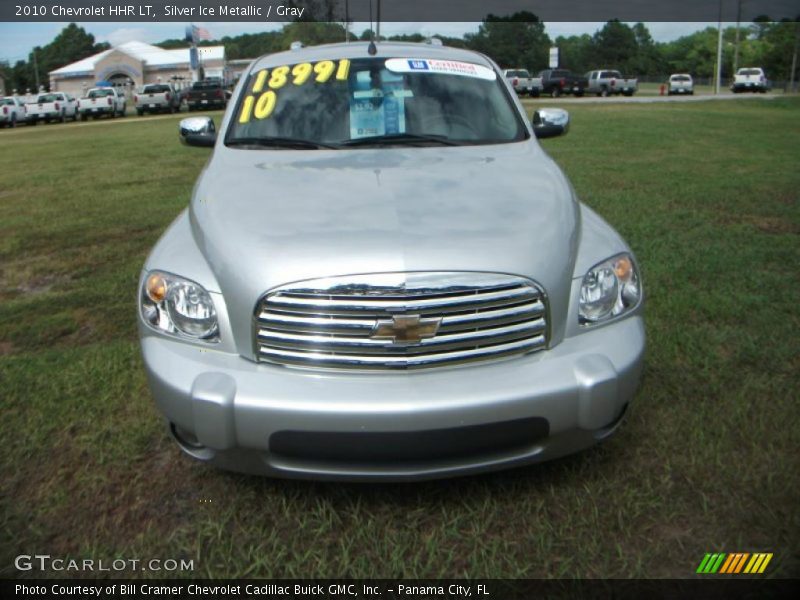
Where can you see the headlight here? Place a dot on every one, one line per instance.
(178, 306)
(609, 289)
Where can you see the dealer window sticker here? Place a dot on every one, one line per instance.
(377, 104)
(446, 67)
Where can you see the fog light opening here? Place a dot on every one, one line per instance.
(189, 443)
(610, 429)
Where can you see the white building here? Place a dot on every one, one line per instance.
(134, 64)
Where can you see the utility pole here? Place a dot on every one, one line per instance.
(718, 78)
(347, 21)
(736, 45)
(794, 57)
(378, 26)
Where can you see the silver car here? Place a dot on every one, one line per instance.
(680, 83)
(381, 274)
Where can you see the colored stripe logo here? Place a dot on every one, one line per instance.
(734, 563)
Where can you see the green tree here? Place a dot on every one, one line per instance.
(576, 53)
(615, 46)
(513, 42)
(312, 33)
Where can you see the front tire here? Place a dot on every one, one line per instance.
(555, 92)
(604, 92)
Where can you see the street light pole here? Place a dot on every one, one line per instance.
(794, 57)
(736, 46)
(718, 82)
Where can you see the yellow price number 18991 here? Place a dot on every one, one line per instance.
(261, 103)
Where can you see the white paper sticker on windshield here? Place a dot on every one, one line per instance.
(447, 67)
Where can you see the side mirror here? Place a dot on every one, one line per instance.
(550, 122)
(197, 131)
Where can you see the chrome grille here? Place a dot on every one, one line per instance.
(332, 322)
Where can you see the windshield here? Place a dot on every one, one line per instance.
(8, 102)
(375, 101)
(48, 98)
(518, 74)
(680, 78)
(749, 72)
(155, 89)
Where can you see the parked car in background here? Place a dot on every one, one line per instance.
(52, 106)
(556, 82)
(607, 82)
(750, 79)
(680, 83)
(100, 101)
(522, 82)
(209, 93)
(12, 111)
(157, 97)
(381, 274)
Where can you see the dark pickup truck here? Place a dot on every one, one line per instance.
(207, 94)
(561, 81)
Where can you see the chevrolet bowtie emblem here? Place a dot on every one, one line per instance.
(408, 329)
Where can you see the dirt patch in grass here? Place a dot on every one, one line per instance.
(86, 500)
(771, 225)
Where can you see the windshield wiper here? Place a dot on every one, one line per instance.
(277, 142)
(402, 138)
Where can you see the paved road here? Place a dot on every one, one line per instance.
(645, 99)
(215, 114)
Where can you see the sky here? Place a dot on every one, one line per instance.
(18, 39)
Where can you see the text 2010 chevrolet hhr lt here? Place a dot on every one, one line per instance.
(381, 274)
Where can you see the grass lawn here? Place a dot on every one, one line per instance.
(707, 194)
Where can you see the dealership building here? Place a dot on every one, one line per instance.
(133, 64)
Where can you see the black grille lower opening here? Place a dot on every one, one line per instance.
(425, 445)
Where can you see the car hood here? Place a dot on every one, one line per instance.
(264, 218)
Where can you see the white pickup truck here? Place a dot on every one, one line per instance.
(102, 101)
(522, 82)
(157, 97)
(750, 79)
(52, 106)
(12, 111)
(606, 82)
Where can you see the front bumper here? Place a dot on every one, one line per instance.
(289, 422)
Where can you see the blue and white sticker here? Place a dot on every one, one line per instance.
(445, 67)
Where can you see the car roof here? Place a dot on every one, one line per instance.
(359, 50)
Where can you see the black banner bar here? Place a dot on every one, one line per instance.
(711, 587)
(392, 10)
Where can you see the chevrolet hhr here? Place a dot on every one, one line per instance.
(382, 275)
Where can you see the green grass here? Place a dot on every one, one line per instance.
(705, 193)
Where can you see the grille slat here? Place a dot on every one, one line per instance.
(314, 343)
(366, 304)
(363, 326)
(330, 323)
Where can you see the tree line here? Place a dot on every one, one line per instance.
(517, 41)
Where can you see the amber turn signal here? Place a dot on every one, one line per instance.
(623, 268)
(156, 288)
